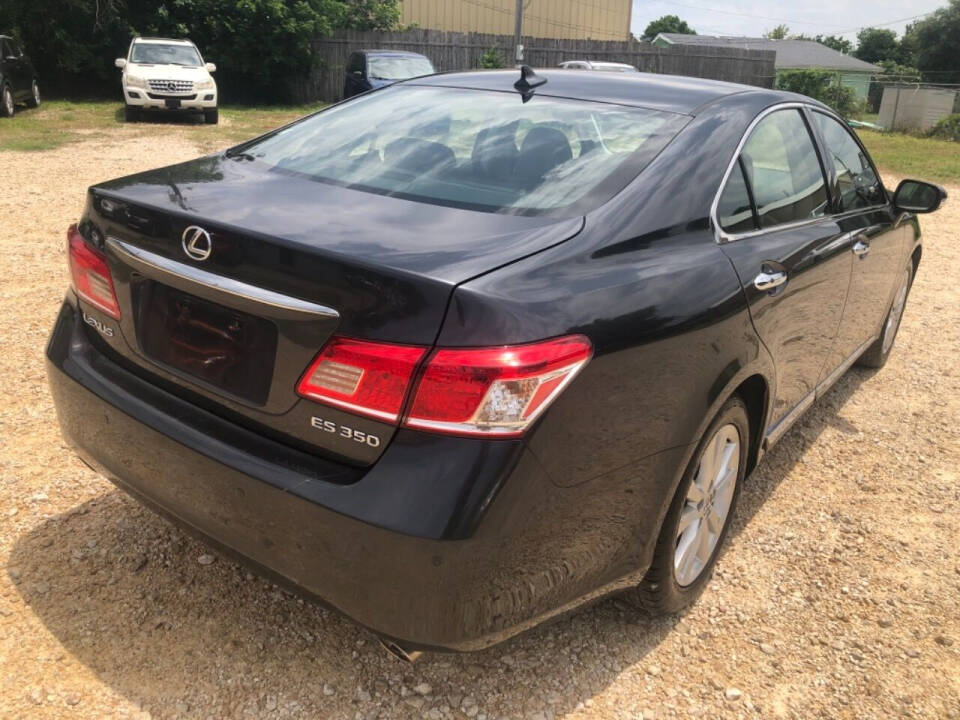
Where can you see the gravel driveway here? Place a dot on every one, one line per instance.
(839, 595)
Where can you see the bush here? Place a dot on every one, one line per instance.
(491, 59)
(256, 44)
(947, 128)
(824, 86)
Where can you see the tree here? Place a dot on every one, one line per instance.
(780, 32)
(935, 42)
(821, 85)
(257, 44)
(667, 24)
(876, 44)
(836, 43)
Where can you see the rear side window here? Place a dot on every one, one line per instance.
(781, 164)
(355, 64)
(859, 185)
(735, 209)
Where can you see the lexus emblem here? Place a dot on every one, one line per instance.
(196, 243)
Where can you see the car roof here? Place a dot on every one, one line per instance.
(404, 53)
(672, 93)
(163, 41)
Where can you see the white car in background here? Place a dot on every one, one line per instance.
(168, 75)
(595, 65)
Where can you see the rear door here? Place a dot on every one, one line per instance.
(878, 247)
(775, 227)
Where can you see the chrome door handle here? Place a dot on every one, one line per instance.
(768, 281)
(860, 248)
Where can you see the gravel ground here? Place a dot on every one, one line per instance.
(839, 595)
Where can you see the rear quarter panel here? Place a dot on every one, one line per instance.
(646, 281)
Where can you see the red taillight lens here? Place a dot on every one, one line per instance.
(91, 276)
(494, 392)
(363, 377)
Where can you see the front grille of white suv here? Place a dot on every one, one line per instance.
(170, 86)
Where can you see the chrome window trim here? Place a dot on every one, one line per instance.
(722, 236)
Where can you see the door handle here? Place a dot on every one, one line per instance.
(860, 248)
(768, 281)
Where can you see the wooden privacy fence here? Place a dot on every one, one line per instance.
(462, 51)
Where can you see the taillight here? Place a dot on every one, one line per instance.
(91, 275)
(363, 377)
(494, 392)
(490, 392)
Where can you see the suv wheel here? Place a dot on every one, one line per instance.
(211, 117)
(6, 102)
(34, 100)
(699, 516)
(131, 113)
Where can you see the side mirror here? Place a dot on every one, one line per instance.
(917, 196)
(211, 67)
(120, 63)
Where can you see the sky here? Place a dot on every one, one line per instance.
(753, 18)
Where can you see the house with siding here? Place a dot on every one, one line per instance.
(570, 19)
(791, 55)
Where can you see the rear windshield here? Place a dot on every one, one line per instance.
(475, 149)
(158, 54)
(397, 67)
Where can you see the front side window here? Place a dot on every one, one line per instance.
(859, 185)
(355, 64)
(475, 149)
(781, 165)
(159, 54)
(398, 67)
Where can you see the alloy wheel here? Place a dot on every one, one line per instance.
(896, 313)
(8, 101)
(707, 505)
(36, 93)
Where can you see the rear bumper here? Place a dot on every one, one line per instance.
(455, 547)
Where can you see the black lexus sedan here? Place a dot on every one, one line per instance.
(461, 354)
(18, 79)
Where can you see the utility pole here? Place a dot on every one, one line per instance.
(518, 29)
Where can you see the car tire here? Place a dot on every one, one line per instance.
(130, 113)
(684, 557)
(211, 117)
(6, 102)
(877, 354)
(34, 101)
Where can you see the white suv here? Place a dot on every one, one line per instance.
(162, 74)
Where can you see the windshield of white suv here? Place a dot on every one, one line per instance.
(157, 54)
(397, 67)
(473, 149)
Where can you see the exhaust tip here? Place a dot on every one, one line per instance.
(408, 656)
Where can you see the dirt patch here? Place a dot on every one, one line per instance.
(839, 595)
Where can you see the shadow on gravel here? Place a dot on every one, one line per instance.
(777, 463)
(123, 591)
(161, 117)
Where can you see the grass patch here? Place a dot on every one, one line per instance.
(911, 156)
(58, 122)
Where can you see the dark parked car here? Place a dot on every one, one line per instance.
(18, 79)
(456, 358)
(372, 69)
